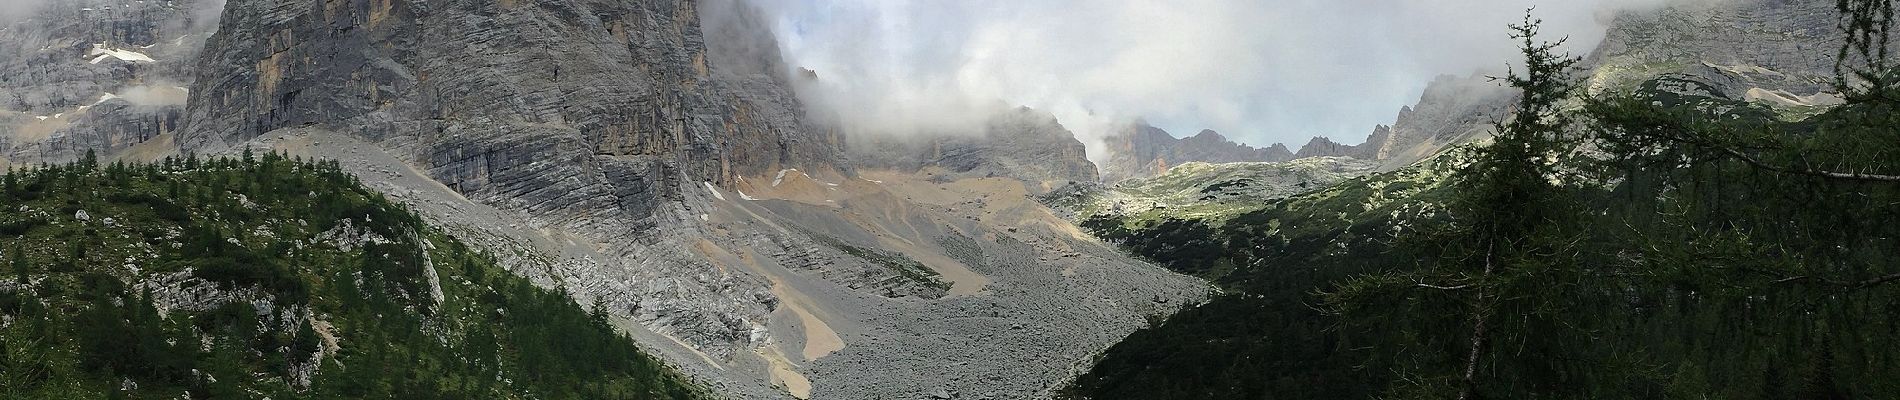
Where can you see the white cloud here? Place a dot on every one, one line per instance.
(1259, 71)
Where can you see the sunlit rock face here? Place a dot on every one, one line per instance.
(1780, 54)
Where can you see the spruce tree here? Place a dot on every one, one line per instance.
(1493, 293)
(18, 261)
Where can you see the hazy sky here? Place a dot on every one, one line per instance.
(1259, 71)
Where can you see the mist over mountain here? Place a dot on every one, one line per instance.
(1258, 72)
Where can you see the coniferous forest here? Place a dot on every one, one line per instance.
(1640, 244)
(290, 256)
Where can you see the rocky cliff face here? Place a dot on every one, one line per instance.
(1140, 151)
(476, 87)
(1452, 110)
(79, 75)
(599, 118)
(1022, 143)
(1776, 53)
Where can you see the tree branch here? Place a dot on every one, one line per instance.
(1751, 161)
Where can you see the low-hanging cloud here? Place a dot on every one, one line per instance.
(1259, 71)
(15, 10)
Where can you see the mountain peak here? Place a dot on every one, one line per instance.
(1141, 150)
(1210, 134)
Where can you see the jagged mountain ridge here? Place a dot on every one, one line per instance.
(1452, 109)
(1141, 150)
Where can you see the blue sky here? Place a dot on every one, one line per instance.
(1258, 71)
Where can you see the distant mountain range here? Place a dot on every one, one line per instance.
(1452, 109)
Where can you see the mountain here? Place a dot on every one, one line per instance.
(651, 158)
(1021, 143)
(1140, 150)
(1362, 289)
(1452, 110)
(1777, 54)
(105, 76)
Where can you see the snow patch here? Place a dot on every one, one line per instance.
(102, 100)
(714, 190)
(781, 176)
(1744, 69)
(1786, 98)
(100, 53)
(742, 195)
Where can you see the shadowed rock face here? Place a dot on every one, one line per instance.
(507, 96)
(1140, 151)
(79, 75)
(1023, 143)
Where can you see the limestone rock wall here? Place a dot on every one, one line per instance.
(79, 75)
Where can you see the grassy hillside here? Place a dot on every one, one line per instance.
(1214, 192)
(271, 277)
(1265, 337)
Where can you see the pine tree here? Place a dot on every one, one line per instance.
(12, 186)
(19, 265)
(1493, 290)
